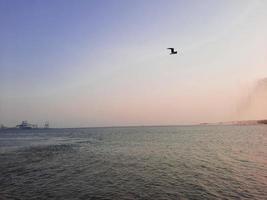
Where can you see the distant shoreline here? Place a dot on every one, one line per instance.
(241, 122)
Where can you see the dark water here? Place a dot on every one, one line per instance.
(194, 162)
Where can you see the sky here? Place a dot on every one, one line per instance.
(105, 63)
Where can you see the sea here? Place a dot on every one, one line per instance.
(171, 162)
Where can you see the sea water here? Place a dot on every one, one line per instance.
(175, 162)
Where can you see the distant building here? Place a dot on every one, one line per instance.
(25, 125)
(46, 125)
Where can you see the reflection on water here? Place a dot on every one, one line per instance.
(193, 162)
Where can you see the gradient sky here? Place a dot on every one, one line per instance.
(105, 63)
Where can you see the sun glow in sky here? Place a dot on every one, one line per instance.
(105, 63)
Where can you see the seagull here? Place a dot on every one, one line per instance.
(172, 51)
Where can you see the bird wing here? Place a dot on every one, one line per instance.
(171, 48)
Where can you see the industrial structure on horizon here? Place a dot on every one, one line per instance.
(25, 125)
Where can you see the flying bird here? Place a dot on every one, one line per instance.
(172, 51)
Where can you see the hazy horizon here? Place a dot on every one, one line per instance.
(105, 63)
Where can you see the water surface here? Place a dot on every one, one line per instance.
(190, 162)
